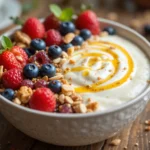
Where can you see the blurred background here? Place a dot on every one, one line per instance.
(134, 13)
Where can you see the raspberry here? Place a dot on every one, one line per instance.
(53, 37)
(27, 83)
(65, 108)
(40, 83)
(43, 99)
(41, 57)
(51, 22)
(12, 78)
(34, 28)
(88, 20)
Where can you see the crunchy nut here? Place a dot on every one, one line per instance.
(81, 108)
(56, 77)
(77, 32)
(19, 58)
(57, 60)
(61, 98)
(22, 45)
(104, 33)
(45, 78)
(62, 61)
(22, 37)
(67, 88)
(76, 97)
(68, 100)
(68, 37)
(64, 81)
(71, 61)
(84, 45)
(77, 47)
(17, 101)
(70, 51)
(68, 93)
(1, 71)
(76, 103)
(24, 94)
(64, 55)
(147, 122)
(115, 142)
(58, 70)
(56, 96)
(93, 106)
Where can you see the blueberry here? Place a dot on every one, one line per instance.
(85, 34)
(78, 40)
(110, 30)
(30, 71)
(55, 86)
(66, 27)
(65, 47)
(29, 51)
(38, 44)
(54, 51)
(8, 93)
(147, 29)
(48, 70)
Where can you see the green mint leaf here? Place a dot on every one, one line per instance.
(55, 9)
(6, 42)
(17, 20)
(66, 14)
(85, 7)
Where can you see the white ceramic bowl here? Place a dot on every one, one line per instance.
(79, 129)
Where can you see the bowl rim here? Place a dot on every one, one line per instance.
(84, 115)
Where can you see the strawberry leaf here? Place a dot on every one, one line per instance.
(6, 42)
(66, 14)
(85, 7)
(55, 9)
(17, 20)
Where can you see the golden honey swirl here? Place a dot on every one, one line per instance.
(105, 47)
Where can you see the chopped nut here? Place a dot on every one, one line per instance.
(22, 45)
(147, 128)
(70, 51)
(19, 58)
(93, 106)
(67, 88)
(77, 32)
(64, 81)
(61, 98)
(57, 60)
(56, 96)
(64, 55)
(56, 77)
(68, 37)
(84, 45)
(22, 37)
(24, 94)
(1, 71)
(81, 108)
(62, 61)
(115, 142)
(68, 100)
(17, 101)
(104, 33)
(45, 78)
(71, 61)
(76, 103)
(77, 47)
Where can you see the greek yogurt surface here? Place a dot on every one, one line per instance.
(110, 71)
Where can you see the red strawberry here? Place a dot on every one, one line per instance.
(51, 22)
(34, 28)
(12, 79)
(52, 37)
(43, 99)
(13, 58)
(88, 20)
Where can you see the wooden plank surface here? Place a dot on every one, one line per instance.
(13, 139)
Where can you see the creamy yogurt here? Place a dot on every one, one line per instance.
(110, 71)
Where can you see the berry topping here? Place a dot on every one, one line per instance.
(38, 44)
(52, 37)
(51, 22)
(65, 47)
(78, 40)
(27, 83)
(12, 78)
(65, 108)
(40, 83)
(48, 70)
(40, 57)
(55, 86)
(147, 29)
(29, 51)
(43, 99)
(85, 34)
(54, 51)
(110, 30)
(66, 27)
(34, 28)
(30, 71)
(8, 93)
(88, 20)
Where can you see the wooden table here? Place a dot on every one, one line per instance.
(133, 138)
